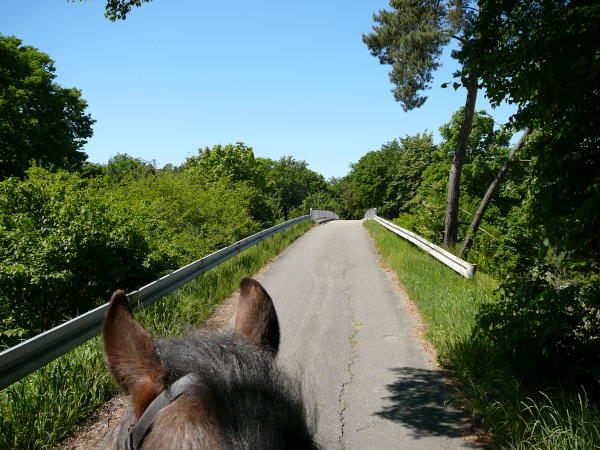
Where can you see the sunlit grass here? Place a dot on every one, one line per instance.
(517, 417)
(47, 406)
(448, 302)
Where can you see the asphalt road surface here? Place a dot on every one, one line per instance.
(347, 334)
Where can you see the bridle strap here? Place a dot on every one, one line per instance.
(139, 431)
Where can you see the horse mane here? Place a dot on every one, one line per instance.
(231, 394)
(258, 405)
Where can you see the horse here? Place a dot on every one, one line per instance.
(207, 390)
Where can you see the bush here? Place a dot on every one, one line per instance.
(62, 246)
(549, 327)
(68, 241)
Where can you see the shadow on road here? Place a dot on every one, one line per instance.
(418, 401)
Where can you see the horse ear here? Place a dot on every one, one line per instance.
(256, 318)
(130, 354)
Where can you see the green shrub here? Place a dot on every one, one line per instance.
(42, 409)
(185, 216)
(66, 241)
(549, 331)
(520, 410)
(62, 246)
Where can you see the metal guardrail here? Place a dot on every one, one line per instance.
(466, 269)
(28, 356)
(319, 214)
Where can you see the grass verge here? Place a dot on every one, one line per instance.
(45, 407)
(516, 415)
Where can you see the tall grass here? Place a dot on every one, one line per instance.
(47, 406)
(516, 415)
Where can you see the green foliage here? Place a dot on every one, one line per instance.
(486, 151)
(416, 155)
(386, 178)
(527, 52)
(411, 39)
(67, 240)
(119, 9)
(428, 206)
(48, 405)
(62, 246)
(372, 177)
(122, 165)
(341, 189)
(234, 162)
(39, 120)
(551, 325)
(284, 184)
(517, 415)
(197, 216)
(289, 182)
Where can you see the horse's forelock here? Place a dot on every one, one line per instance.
(242, 399)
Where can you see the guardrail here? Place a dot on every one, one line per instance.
(28, 356)
(319, 214)
(466, 269)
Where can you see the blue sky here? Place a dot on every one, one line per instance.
(285, 77)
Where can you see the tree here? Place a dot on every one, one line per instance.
(290, 181)
(525, 51)
(411, 39)
(233, 161)
(119, 9)
(372, 177)
(39, 120)
(122, 166)
(388, 178)
(487, 198)
(485, 151)
(544, 57)
(416, 154)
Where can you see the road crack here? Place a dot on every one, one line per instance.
(353, 341)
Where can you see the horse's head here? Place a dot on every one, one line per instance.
(219, 391)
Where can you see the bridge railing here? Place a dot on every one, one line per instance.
(464, 268)
(318, 214)
(30, 355)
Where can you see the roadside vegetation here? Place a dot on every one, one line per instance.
(519, 412)
(525, 347)
(69, 238)
(71, 232)
(45, 407)
(528, 360)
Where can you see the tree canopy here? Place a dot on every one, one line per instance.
(411, 39)
(386, 178)
(122, 166)
(544, 57)
(39, 120)
(540, 55)
(233, 161)
(119, 9)
(290, 181)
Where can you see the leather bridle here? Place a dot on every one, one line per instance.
(139, 430)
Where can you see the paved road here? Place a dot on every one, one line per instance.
(346, 333)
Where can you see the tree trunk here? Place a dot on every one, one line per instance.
(451, 224)
(487, 198)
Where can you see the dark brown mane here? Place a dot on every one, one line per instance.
(239, 399)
